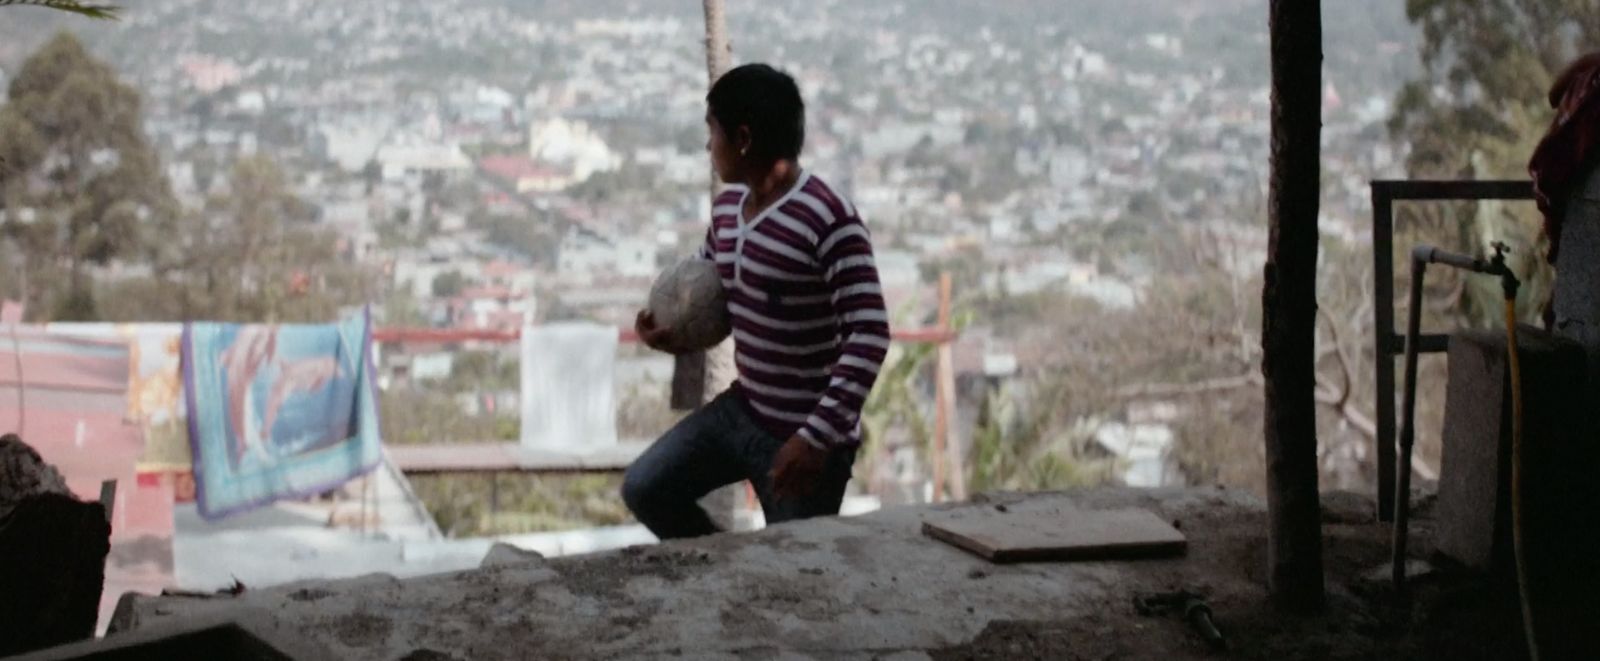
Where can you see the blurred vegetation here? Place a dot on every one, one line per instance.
(465, 505)
(1476, 111)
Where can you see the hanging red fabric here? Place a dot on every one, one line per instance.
(1568, 148)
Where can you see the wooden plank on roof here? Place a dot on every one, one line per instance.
(1056, 535)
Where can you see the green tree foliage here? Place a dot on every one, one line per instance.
(482, 370)
(251, 254)
(414, 415)
(448, 284)
(1477, 112)
(895, 403)
(401, 309)
(464, 505)
(79, 182)
(1028, 445)
(1486, 67)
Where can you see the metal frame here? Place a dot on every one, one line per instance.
(1387, 343)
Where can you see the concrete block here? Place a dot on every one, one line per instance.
(1474, 505)
(1560, 500)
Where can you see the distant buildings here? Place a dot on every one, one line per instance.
(572, 146)
(207, 74)
(489, 307)
(583, 257)
(416, 157)
(462, 177)
(526, 176)
(353, 143)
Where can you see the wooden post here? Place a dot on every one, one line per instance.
(1289, 306)
(943, 396)
(688, 381)
(709, 372)
(108, 497)
(690, 377)
(955, 450)
(719, 53)
(361, 527)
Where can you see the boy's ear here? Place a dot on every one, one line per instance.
(744, 140)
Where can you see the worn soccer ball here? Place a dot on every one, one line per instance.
(688, 300)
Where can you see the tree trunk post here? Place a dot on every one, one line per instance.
(1289, 305)
(688, 381)
(700, 376)
(719, 53)
(690, 377)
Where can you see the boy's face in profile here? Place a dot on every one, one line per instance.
(724, 154)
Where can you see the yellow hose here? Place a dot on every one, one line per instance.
(1516, 478)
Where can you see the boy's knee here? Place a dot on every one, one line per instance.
(636, 490)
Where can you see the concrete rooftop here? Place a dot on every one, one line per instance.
(867, 587)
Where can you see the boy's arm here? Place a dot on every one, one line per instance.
(845, 254)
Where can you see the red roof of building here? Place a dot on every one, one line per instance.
(502, 268)
(514, 168)
(480, 293)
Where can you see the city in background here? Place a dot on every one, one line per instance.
(1090, 174)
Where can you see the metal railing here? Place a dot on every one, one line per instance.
(1387, 342)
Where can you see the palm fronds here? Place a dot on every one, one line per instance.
(104, 12)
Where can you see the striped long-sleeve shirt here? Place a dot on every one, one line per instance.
(809, 326)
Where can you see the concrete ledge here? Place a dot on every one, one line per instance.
(511, 458)
(873, 587)
(244, 635)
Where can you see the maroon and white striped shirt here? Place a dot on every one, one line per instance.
(809, 326)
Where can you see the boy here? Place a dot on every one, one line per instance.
(809, 326)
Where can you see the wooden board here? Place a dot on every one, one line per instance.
(1062, 534)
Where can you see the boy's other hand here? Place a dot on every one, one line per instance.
(654, 336)
(796, 468)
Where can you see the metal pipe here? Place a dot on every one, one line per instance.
(1421, 256)
(1384, 346)
(1408, 410)
(1432, 255)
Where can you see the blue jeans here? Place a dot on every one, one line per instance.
(711, 448)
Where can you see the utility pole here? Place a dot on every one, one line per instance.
(1289, 307)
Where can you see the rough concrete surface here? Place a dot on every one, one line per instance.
(868, 587)
(502, 554)
(23, 474)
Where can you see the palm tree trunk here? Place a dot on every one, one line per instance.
(1289, 307)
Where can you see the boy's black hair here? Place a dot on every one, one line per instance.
(768, 102)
